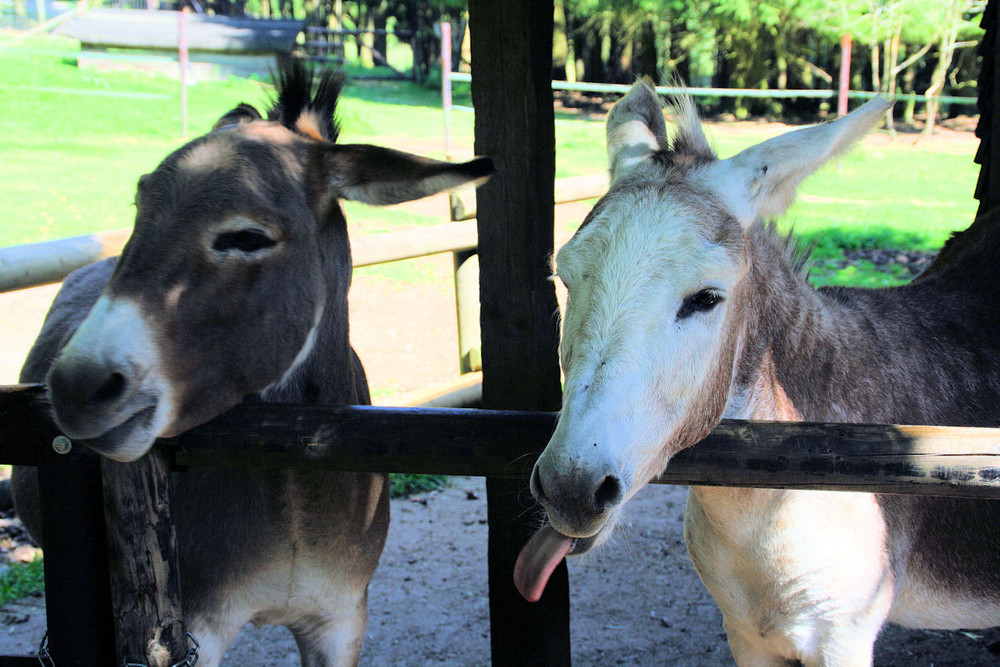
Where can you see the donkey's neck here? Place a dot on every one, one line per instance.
(327, 371)
(816, 355)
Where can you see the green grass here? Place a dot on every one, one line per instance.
(20, 579)
(406, 485)
(75, 141)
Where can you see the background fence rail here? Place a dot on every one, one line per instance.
(812, 93)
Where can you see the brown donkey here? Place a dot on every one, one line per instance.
(234, 284)
(685, 307)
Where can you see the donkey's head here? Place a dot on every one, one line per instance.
(238, 263)
(655, 315)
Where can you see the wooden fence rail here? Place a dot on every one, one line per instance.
(925, 460)
(34, 264)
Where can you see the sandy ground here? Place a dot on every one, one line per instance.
(636, 601)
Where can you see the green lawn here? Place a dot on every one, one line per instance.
(75, 141)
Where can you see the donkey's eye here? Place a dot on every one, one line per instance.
(243, 240)
(699, 302)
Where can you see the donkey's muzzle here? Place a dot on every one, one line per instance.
(579, 502)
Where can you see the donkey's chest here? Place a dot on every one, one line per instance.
(781, 564)
(275, 541)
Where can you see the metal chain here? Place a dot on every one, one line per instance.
(190, 660)
(44, 658)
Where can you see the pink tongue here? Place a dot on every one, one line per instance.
(538, 559)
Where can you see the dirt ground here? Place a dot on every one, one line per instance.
(635, 601)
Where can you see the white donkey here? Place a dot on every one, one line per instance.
(685, 308)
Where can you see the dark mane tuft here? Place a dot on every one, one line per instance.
(794, 251)
(299, 89)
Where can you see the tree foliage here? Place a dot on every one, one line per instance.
(898, 45)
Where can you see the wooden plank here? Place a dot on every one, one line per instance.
(142, 546)
(157, 29)
(410, 243)
(47, 262)
(568, 189)
(931, 460)
(26, 428)
(512, 95)
(35, 264)
(77, 600)
(76, 565)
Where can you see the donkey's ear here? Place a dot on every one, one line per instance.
(760, 182)
(244, 113)
(636, 129)
(383, 176)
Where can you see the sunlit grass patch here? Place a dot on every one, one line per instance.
(20, 579)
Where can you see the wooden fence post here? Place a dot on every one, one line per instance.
(470, 358)
(512, 95)
(77, 601)
(142, 544)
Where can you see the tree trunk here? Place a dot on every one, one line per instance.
(891, 59)
(909, 78)
(875, 58)
(561, 56)
(605, 52)
(365, 40)
(781, 57)
(663, 40)
(381, 40)
(946, 52)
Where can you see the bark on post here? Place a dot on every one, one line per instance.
(145, 581)
(512, 95)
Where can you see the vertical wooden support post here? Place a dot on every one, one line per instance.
(145, 581)
(512, 95)
(77, 600)
(467, 309)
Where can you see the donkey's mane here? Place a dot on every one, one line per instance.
(690, 139)
(790, 249)
(301, 93)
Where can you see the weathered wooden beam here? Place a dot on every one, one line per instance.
(46, 262)
(931, 460)
(568, 189)
(515, 123)
(409, 243)
(77, 600)
(142, 550)
(34, 264)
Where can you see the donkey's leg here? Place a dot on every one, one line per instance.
(845, 646)
(213, 639)
(335, 640)
(748, 653)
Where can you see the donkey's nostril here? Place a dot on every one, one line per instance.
(536, 485)
(110, 390)
(608, 494)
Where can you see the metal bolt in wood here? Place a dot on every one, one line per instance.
(62, 445)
